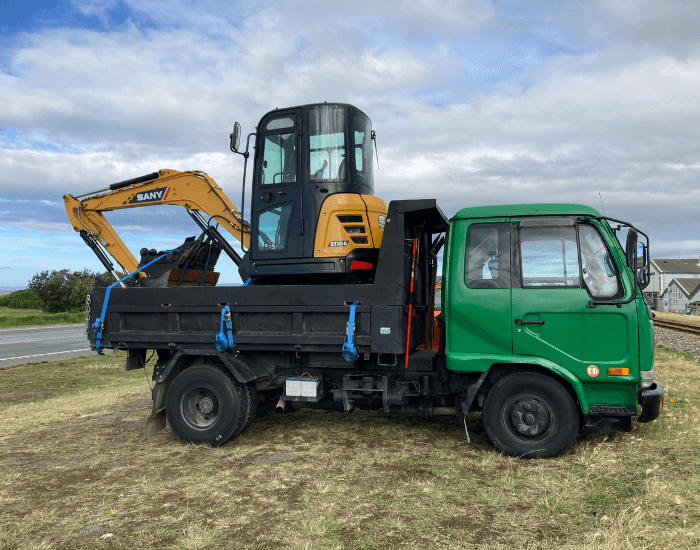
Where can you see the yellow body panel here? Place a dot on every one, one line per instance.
(190, 190)
(347, 222)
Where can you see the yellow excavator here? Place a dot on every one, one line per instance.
(314, 218)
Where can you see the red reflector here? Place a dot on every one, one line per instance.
(356, 264)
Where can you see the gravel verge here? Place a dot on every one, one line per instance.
(680, 341)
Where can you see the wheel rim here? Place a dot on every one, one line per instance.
(529, 417)
(200, 408)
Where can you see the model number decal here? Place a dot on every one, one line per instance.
(149, 196)
(338, 243)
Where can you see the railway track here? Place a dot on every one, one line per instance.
(680, 327)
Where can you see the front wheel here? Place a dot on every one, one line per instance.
(530, 415)
(205, 404)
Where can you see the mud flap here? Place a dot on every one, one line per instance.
(135, 359)
(156, 422)
(466, 402)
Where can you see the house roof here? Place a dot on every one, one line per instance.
(677, 266)
(689, 286)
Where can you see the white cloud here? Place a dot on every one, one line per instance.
(84, 109)
(671, 25)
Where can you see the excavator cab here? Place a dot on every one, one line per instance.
(313, 214)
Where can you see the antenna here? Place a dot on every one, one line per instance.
(601, 203)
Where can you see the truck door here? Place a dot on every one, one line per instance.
(276, 205)
(562, 266)
(478, 304)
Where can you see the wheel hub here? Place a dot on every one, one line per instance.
(529, 418)
(200, 408)
(206, 405)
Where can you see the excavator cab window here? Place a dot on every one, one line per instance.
(273, 227)
(279, 161)
(327, 152)
(362, 137)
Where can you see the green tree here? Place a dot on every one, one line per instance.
(63, 290)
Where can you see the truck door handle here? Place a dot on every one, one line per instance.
(519, 322)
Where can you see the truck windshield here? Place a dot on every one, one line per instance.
(327, 154)
(598, 269)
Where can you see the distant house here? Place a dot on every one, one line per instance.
(664, 271)
(679, 294)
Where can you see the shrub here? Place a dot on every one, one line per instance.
(21, 299)
(64, 290)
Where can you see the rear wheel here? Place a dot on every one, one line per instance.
(205, 404)
(530, 415)
(250, 410)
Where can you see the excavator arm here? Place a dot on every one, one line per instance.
(194, 191)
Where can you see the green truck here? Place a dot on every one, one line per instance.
(542, 330)
(545, 302)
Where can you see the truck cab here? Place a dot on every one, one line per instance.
(549, 288)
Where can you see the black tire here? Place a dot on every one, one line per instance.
(251, 407)
(204, 405)
(530, 415)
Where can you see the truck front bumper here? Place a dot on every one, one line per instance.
(652, 401)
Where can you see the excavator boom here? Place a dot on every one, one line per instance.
(194, 191)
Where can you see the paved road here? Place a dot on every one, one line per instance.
(48, 343)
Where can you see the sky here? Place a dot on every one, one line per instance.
(474, 102)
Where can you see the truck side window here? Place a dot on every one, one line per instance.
(488, 256)
(549, 257)
(599, 271)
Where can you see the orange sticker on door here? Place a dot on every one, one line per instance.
(592, 371)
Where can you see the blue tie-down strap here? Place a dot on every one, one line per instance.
(349, 350)
(99, 325)
(224, 340)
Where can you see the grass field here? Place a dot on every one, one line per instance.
(678, 318)
(31, 317)
(76, 467)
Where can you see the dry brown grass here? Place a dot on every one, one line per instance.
(678, 318)
(76, 466)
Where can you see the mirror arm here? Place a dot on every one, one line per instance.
(246, 154)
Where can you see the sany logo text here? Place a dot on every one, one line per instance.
(159, 194)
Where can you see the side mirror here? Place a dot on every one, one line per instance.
(236, 137)
(641, 255)
(631, 249)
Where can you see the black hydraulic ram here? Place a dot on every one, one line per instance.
(134, 181)
(216, 237)
(93, 244)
